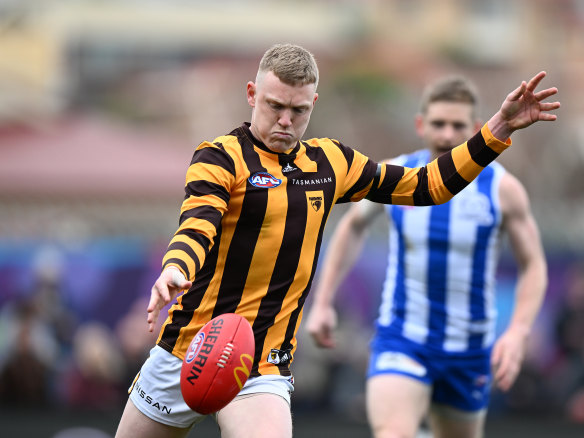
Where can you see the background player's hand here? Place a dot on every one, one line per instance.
(507, 358)
(165, 289)
(523, 107)
(321, 324)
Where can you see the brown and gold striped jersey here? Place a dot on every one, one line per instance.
(252, 223)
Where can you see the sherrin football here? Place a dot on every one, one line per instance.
(217, 363)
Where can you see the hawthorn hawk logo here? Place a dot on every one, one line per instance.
(316, 202)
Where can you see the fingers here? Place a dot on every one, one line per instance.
(501, 374)
(549, 106)
(153, 311)
(324, 339)
(161, 291)
(152, 318)
(518, 92)
(534, 81)
(322, 335)
(506, 374)
(170, 282)
(506, 366)
(544, 94)
(546, 117)
(159, 297)
(531, 86)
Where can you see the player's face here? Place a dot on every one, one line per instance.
(446, 125)
(281, 112)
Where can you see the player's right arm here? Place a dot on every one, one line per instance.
(524, 237)
(207, 191)
(344, 248)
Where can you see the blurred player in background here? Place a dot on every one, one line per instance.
(250, 229)
(433, 346)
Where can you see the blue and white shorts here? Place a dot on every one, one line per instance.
(458, 380)
(156, 390)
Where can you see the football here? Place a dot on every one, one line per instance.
(217, 363)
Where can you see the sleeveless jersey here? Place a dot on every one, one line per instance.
(439, 287)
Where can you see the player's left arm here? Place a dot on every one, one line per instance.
(523, 232)
(451, 172)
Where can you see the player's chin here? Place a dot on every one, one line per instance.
(283, 145)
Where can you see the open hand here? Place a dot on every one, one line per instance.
(165, 289)
(523, 106)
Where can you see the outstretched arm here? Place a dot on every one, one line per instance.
(451, 172)
(520, 225)
(344, 248)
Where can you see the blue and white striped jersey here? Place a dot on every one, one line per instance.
(440, 281)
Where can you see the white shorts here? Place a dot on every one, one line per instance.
(156, 390)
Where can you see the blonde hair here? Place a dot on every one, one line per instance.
(292, 64)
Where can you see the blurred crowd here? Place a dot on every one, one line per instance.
(50, 358)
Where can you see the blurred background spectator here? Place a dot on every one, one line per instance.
(568, 371)
(101, 105)
(93, 378)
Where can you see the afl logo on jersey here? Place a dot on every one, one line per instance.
(265, 180)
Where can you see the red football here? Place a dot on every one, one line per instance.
(217, 363)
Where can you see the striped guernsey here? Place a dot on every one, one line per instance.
(252, 223)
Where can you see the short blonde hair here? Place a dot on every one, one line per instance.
(292, 64)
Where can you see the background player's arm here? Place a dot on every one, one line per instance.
(342, 253)
(520, 225)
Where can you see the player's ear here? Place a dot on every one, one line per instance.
(419, 124)
(315, 98)
(251, 93)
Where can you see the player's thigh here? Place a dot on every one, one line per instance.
(396, 404)
(135, 424)
(448, 422)
(259, 415)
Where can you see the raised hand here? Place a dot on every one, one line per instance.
(523, 107)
